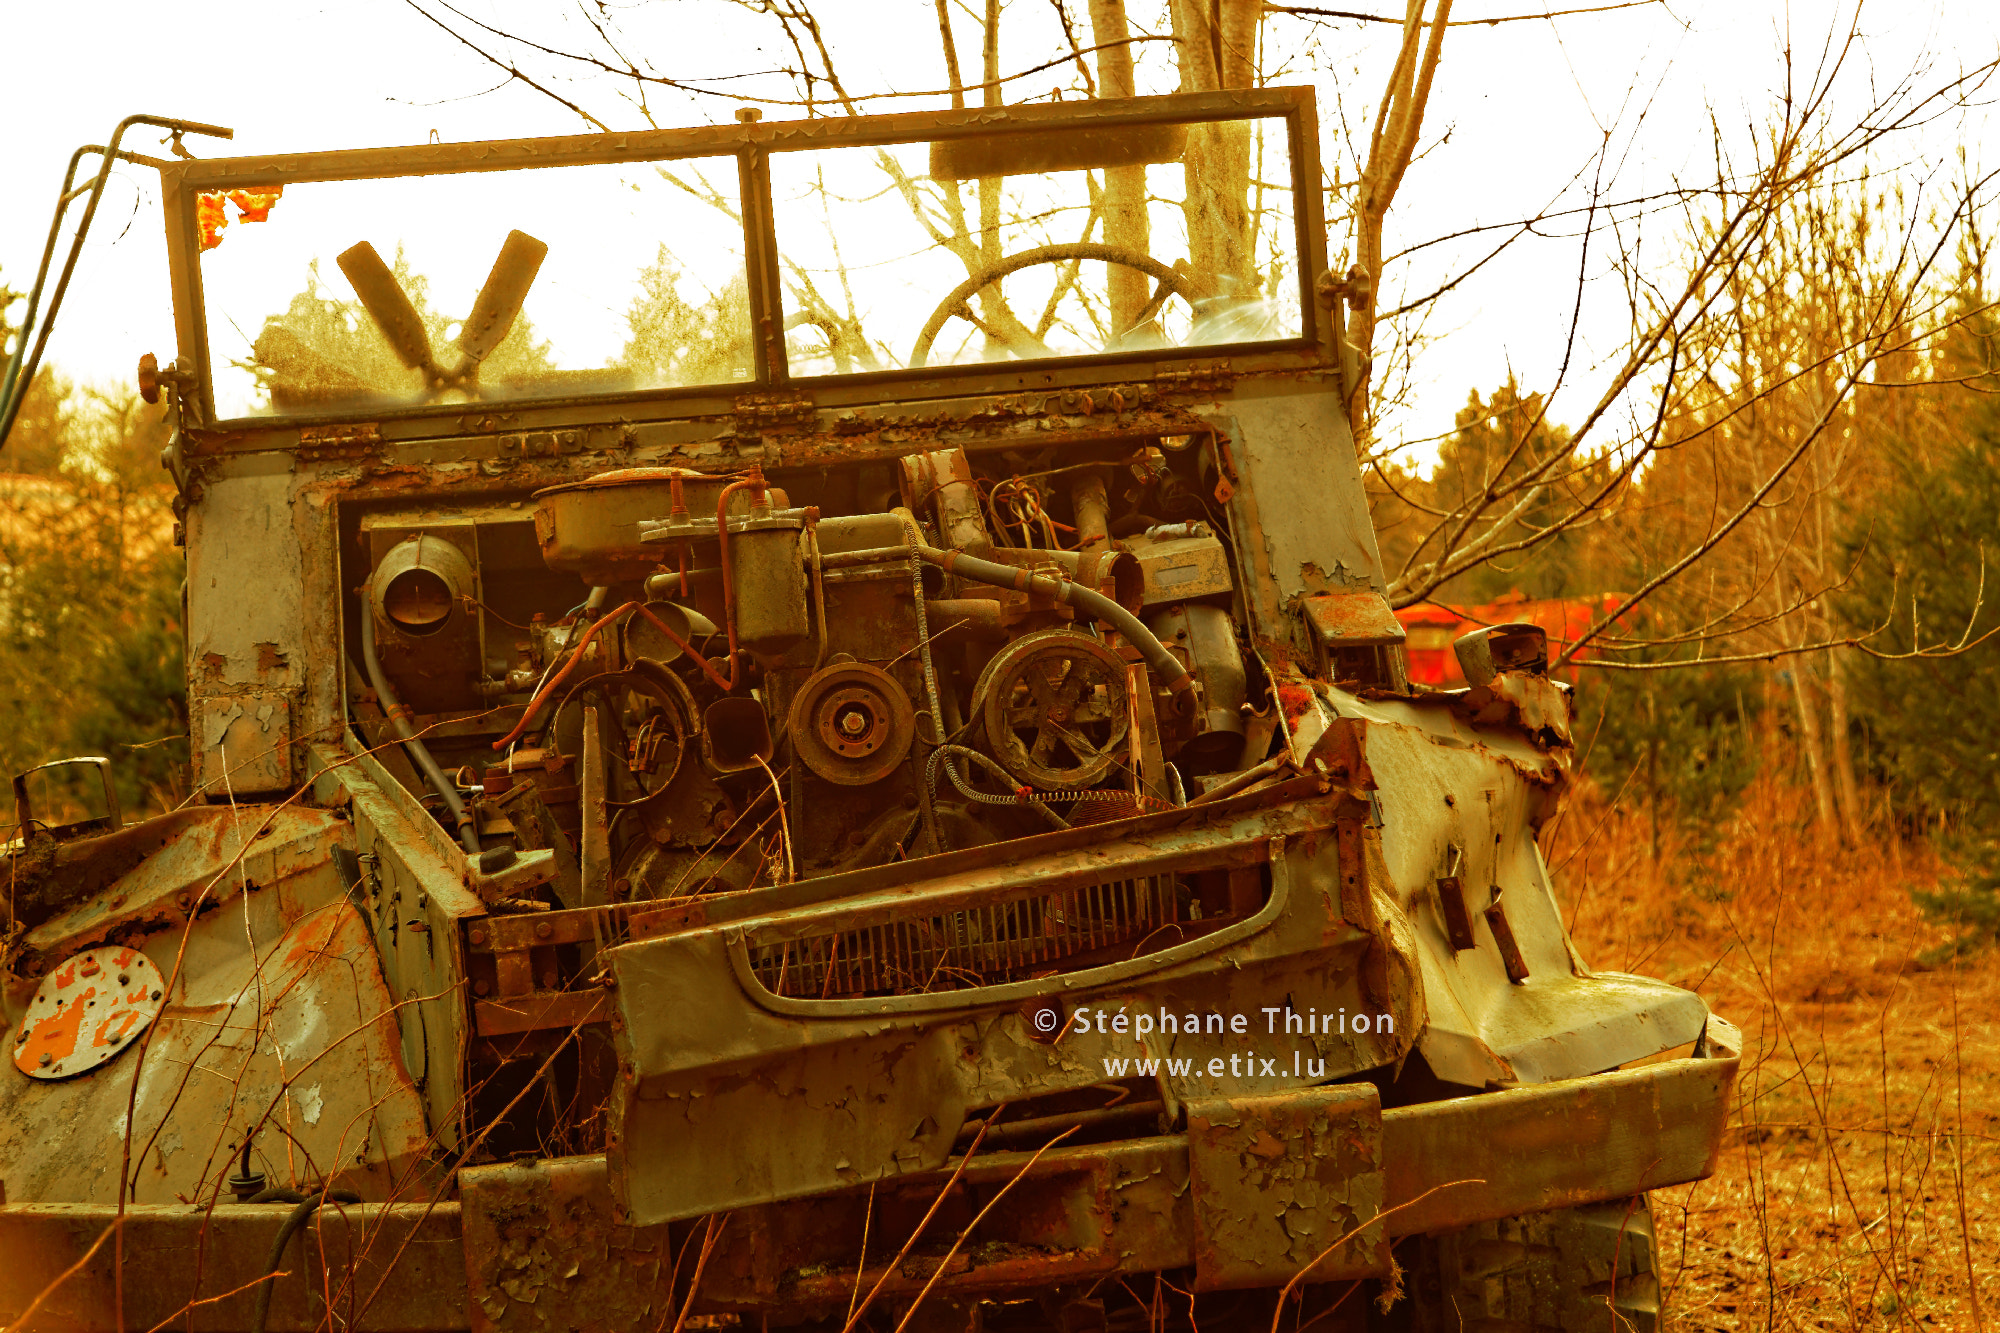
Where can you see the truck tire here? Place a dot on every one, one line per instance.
(1542, 1273)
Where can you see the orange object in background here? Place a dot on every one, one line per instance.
(211, 216)
(1432, 628)
(251, 206)
(255, 205)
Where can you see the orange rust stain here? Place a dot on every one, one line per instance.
(269, 659)
(124, 957)
(126, 1019)
(57, 1035)
(255, 205)
(312, 940)
(1265, 1146)
(67, 975)
(211, 217)
(136, 996)
(214, 664)
(251, 206)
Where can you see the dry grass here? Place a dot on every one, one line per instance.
(1857, 1188)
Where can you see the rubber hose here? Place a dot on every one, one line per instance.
(1163, 663)
(1038, 802)
(941, 755)
(420, 754)
(305, 1207)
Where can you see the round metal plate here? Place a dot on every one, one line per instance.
(852, 724)
(86, 1011)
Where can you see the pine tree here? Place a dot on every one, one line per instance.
(1930, 553)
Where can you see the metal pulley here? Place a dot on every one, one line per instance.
(852, 724)
(1055, 709)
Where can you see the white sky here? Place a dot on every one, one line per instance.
(1519, 109)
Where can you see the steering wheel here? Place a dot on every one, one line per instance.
(1170, 284)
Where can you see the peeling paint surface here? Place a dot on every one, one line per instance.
(275, 1017)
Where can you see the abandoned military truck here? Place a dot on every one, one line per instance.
(796, 725)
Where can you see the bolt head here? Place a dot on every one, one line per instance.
(543, 930)
(478, 936)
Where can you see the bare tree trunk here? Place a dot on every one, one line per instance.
(1844, 785)
(1125, 221)
(991, 303)
(1802, 696)
(1397, 123)
(1216, 42)
(950, 56)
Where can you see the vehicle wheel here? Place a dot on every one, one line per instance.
(1570, 1270)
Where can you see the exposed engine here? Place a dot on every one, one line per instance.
(658, 682)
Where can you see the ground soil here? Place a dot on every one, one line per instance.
(1859, 1185)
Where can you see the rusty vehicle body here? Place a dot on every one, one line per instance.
(716, 852)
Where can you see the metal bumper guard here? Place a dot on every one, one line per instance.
(1253, 1192)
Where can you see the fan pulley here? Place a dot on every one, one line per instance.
(852, 723)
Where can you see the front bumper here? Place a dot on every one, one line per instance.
(1254, 1191)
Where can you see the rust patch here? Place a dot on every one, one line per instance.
(56, 1038)
(312, 939)
(1296, 700)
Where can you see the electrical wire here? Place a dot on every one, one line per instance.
(303, 1207)
(548, 687)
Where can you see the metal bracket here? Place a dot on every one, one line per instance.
(24, 811)
(1285, 1182)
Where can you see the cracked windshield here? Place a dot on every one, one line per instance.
(920, 254)
(362, 295)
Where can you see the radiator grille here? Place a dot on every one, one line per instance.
(986, 945)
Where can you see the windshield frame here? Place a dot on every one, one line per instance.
(751, 144)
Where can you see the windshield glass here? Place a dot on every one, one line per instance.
(912, 255)
(337, 297)
(641, 287)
